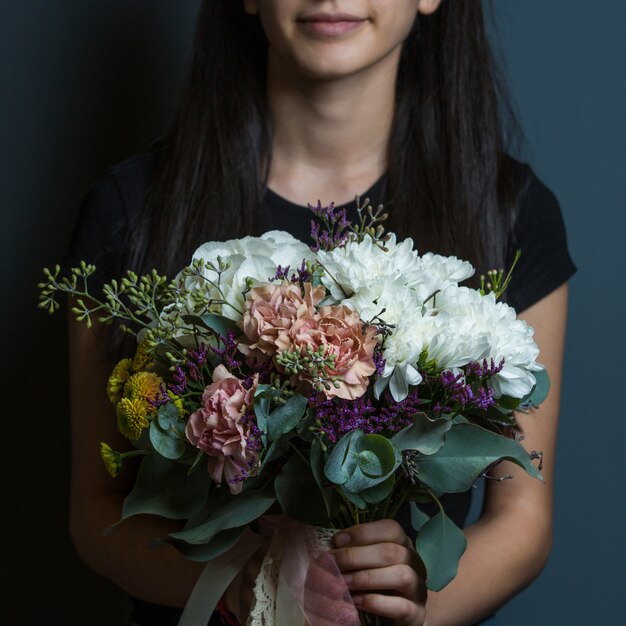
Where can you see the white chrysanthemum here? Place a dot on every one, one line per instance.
(442, 271)
(508, 338)
(457, 342)
(253, 258)
(357, 265)
(391, 301)
(402, 351)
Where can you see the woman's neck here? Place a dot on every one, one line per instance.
(330, 137)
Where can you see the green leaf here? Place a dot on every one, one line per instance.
(355, 498)
(298, 494)
(424, 435)
(227, 511)
(468, 451)
(163, 488)
(168, 416)
(330, 495)
(286, 417)
(276, 449)
(418, 517)
(202, 553)
(508, 403)
(539, 392)
(440, 544)
(379, 492)
(168, 444)
(340, 464)
(361, 461)
(216, 323)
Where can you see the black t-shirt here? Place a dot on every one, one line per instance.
(116, 199)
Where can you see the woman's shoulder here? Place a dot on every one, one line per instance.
(539, 233)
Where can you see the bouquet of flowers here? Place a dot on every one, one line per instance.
(354, 371)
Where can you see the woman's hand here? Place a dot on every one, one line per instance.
(380, 567)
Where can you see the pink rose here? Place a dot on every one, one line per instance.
(339, 330)
(271, 309)
(219, 428)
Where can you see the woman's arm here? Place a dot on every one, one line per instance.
(154, 574)
(506, 548)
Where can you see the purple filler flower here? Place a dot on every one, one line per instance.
(339, 417)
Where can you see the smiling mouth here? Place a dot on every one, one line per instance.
(331, 24)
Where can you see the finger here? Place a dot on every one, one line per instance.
(401, 611)
(373, 556)
(382, 531)
(402, 579)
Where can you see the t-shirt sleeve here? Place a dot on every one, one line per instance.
(99, 233)
(539, 232)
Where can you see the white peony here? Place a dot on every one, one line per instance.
(253, 258)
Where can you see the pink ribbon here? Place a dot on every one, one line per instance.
(309, 572)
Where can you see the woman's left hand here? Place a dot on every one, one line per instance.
(380, 567)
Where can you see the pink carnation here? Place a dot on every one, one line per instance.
(340, 331)
(219, 428)
(271, 309)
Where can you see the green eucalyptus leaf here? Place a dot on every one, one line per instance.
(341, 463)
(196, 463)
(468, 451)
(361, 461)
(355, 498)
(379, 492)
(424, 435)
(369, 464)
(227, 511)
(460, 419)
(204, 552)
(539, 392)
(286, 417)
(508, 403)
(168, 444)
(440, 544)
(387, 453)
(163, 488)
(298, 493)
(418, 517)
(168, 416)
(216, 323)
(330, 495)
(276, 450)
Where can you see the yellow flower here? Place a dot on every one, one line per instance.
(178, 403)
(132, 417)
(118, 378)
(143, 357)
(145, 386)
(112, 459)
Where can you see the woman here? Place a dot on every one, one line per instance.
(289, 101)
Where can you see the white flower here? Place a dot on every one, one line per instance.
(358, 265)
(508, 338)
(254, 258)
(391, 300)
(442, 271)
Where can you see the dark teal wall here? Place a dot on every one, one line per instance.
(566, 69)
(85, 84)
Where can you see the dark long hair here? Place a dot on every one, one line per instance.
(449, 184)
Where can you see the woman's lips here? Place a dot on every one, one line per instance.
(331, 25)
